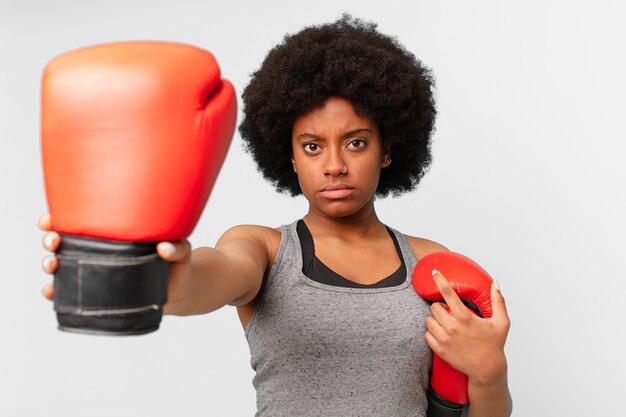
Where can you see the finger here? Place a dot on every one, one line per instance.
(431, 342)
(44, 222)
(50, 264)
(51, 241)
(434, 328)
(451, 298)
(174, 251)
(441, 313)
(48, 292)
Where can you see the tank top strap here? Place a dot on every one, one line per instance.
(407, 252)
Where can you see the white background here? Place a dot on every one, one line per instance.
(527, 179)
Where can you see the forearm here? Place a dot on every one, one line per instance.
(490, 398)
(217, 278)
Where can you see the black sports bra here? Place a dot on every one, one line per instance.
(313, 268)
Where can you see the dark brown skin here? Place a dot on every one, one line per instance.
(334, 146)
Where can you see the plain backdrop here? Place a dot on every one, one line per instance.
(527, 179)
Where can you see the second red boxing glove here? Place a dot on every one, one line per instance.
(472, 284)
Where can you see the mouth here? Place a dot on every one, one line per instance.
(336, 191)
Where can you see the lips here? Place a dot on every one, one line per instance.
(336, 191)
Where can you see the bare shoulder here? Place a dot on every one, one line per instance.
(251, 231)
(422, 247)
(261, 236)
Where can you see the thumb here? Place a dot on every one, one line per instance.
(177, 251)
(498, 303)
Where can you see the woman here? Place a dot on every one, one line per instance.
(341, 114)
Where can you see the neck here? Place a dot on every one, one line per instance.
(354, 226)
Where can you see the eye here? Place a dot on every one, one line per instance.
(357, 144)
(311, 148)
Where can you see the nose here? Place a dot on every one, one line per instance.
(334, 165)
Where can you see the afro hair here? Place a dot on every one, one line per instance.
(352, 60)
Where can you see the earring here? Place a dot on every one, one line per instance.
(388, 162)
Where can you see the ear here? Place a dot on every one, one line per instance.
(386, 158)
(293, 163)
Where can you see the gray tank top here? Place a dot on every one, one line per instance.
(325, 350)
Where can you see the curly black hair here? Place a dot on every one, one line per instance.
(352, 60)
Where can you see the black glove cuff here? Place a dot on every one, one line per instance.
(440, 407)
(109, 287)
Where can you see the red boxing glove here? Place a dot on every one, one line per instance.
(473, 286)
(133, 136)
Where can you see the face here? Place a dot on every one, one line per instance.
(338, 156)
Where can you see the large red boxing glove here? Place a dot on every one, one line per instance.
(133, 136)
(448, 393)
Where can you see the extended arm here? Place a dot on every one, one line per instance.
(204, 279)
(231, 273)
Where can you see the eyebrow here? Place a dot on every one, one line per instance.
(304, 136)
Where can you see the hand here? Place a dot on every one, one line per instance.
(470, 344)
(177, 253)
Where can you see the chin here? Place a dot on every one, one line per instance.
(342, 208)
